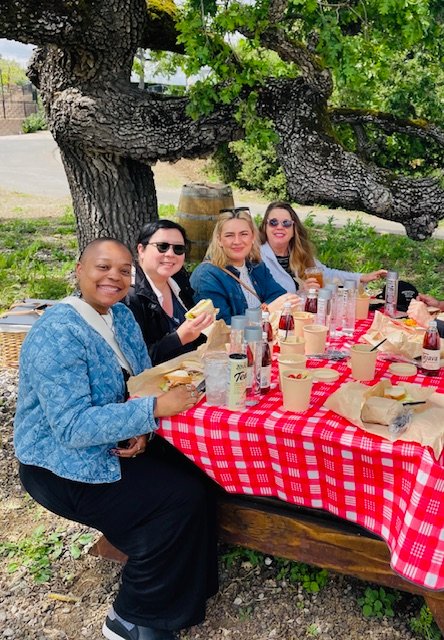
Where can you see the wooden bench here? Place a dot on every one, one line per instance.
(305, 535)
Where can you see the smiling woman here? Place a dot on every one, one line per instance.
(233, 275)
(162, 293)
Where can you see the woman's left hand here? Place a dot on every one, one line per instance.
(136, 445)
(373, 275)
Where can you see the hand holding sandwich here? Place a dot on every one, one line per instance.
(177, 399)
(190, 330)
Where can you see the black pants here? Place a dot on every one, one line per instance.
(161, 514)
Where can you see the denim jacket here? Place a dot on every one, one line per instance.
(208, 281)
(70, 406)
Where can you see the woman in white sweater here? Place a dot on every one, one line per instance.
(287, 251)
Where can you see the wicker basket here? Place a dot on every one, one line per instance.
(11, 340)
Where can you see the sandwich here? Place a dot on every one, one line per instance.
(377, 410)
(395, 393)
(189, 372)
(203, 306)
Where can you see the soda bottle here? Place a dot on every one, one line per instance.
(286, 323)
(431, 351)
(311, 304)
(253, 339)
(266, 364)
(391, 293)
(237, 333)
(266, 326)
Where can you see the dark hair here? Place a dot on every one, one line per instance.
(150, 228)
(301, 249)
(98, 241)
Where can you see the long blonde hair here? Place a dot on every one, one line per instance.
(215, 253)
(302, 253)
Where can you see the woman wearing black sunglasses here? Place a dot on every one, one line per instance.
(162, 293)
(287, 251)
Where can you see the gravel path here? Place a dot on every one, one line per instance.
(253, 601)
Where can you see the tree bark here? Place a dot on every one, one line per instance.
(319, 170)
(114, 196)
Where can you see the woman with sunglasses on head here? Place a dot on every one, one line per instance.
(233, 275)
(162, 293)
(287, 251)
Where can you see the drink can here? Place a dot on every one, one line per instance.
(237, 385)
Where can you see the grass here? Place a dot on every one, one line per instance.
(37, 255)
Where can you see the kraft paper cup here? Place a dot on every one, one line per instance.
(293, 345)
(290, 361)
(363, 362)
(315, 337)
(362, 307)
(296, 392)
(301, 318)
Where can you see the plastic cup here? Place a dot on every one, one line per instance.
(290, 361)
(302, 318)
(292, 345)
(363, 362)
(362, 307)
(317, 273)
(315, 337)
(216, 378)
(296, 390)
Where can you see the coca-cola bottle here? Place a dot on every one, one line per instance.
(286, 323)
(266, 364)
(431, 351)
(311, 304)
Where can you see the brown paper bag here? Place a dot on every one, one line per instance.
(151, 381)
(425, 428)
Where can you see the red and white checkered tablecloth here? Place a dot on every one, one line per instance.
(317, 459)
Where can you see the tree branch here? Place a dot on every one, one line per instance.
(388, 123)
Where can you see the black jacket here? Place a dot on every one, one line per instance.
(153, 320)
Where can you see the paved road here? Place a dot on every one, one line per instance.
(31, 164)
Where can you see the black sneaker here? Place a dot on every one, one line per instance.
(115, 630)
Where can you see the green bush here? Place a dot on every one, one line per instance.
(34, 122)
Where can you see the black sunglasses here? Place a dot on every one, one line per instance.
(235, 211)
(162, 247)
(274, 222)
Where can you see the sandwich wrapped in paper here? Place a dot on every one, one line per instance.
(203, 306)
(427, 422)
(184, 369)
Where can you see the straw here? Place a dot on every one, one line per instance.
(378, 345)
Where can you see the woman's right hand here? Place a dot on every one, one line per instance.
(175, 400)
(190, 330)
(311, 283)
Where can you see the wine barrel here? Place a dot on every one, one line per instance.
(198, 209)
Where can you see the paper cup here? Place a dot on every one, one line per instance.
(296, 391)
(362, 307)
(290, 362)
(302, 318)
(315, 337)
(363, 362)
(292, 346)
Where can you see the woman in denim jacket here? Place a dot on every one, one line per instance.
(70, 423)
(234, 246)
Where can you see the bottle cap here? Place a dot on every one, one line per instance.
(350, 284)
(254, 316)
(312, 292)
(331, 287)
(265, 315)
(392, 275)
(253, 334)
(325, 294)
(238, 323)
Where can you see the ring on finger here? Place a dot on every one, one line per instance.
(193, 394)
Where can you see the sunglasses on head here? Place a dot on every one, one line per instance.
(235, 211)
(274, 222)
(162, 247)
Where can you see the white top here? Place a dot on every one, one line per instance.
(285, 280)
(173, 286)
(253, 302)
